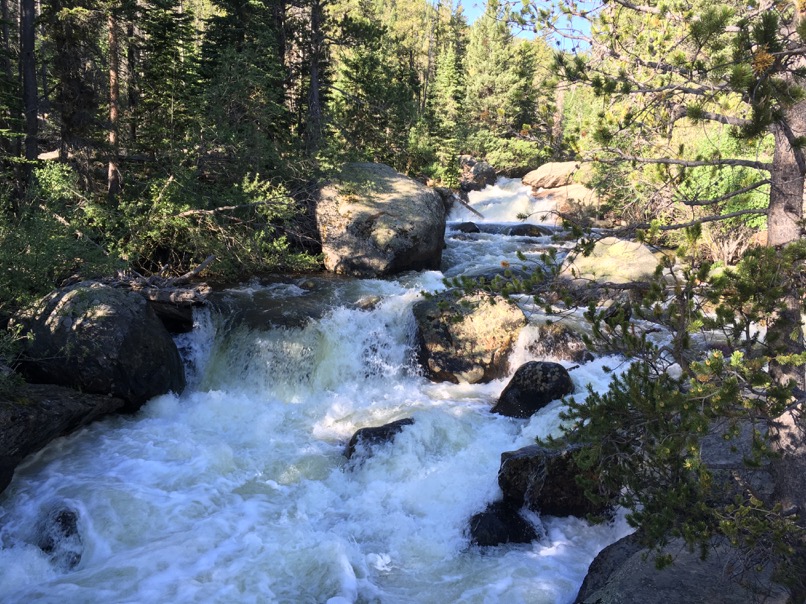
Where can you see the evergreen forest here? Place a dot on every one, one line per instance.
(146, 136)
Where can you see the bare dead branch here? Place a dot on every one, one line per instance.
(742, 191)
(223, 209)
(685, 225)
(688, 163)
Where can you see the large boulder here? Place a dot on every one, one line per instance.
(101, 340)
(613, 260)
(558, 341)
(501, 523)
(570, 199)
(367, 439)
(534, 385)
(625, 572)
(476, 174)
(374, 222)
(551, 175)
(725, 450)
(466, 339)
(38, 413)
(545, 480)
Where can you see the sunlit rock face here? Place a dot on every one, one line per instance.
(467, 339)
(551, 175)
(375, 222)
(101, 340)
(613, 260)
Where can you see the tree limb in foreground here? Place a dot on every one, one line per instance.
(687, 163)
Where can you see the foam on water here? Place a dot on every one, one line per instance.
(504, 202)
(238, 490)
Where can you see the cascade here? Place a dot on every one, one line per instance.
(238, 490)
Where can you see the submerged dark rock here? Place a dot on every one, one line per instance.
(529, 230)
(369, 438)
(501, 523)
(58, 536)
(534, 385)
(466, 227)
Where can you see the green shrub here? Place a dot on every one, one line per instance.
(180, 221)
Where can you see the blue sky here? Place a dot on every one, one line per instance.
(474, 8)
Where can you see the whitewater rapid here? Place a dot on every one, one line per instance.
(238, 490)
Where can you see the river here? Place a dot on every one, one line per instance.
(238, 490)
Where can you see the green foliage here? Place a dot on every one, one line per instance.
(244, 118)
(180, 222)
(39, 249)
(507, 154)
(374, 104)
(643, 436)
(167, 92)
(498, 81)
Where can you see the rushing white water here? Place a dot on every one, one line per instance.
(238, 490)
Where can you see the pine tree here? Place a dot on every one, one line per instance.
(168, 74)
(243, 89)
(446, 111)
(490, 73)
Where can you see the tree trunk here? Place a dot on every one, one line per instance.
(786, 181)
(113, 173)
(557, 132)
(133, 92)
(788, 432)
(313, 130)
(28, 70)
(43, 66)
(6, 33)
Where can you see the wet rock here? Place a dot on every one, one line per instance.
(501, 523)
(466, 339)
(466, 227)
(551, 175)
(476, 174)
(374, 222)
(625, 572)
(38, 413)
(534, 385)
(557, 340)
(545, 480)
(58, 536)
(613, 260)
(101, 340)
(528, 230)
(369, 438)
